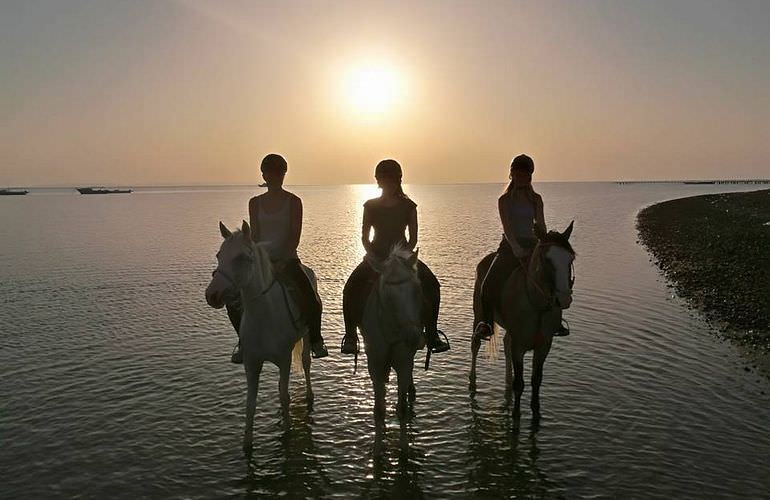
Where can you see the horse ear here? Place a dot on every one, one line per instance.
(568, 232)
(225, 232)
(246, 230)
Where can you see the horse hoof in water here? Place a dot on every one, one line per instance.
(310, 401)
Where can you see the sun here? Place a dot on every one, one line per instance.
(373, 89)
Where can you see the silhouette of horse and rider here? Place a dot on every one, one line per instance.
(391, 296)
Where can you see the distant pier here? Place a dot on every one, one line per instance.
(716, 181)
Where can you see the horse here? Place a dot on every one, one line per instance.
(392, 327)
(529, 311)
(269, 329)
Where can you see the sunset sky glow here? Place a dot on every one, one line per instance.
(195, 92)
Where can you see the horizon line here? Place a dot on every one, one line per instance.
(255, 185)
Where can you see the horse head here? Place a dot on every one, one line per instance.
(554, 257)
(239, 262)
(399, 289)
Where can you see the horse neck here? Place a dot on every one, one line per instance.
(538, 290)
(262, 276)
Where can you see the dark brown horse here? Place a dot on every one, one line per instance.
(529, 311)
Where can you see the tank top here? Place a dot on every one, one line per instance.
(274, 230)
(389, 223)
(522, 217)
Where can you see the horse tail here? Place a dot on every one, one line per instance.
(493, 345)
(296, 356)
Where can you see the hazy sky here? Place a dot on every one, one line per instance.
(140, 92)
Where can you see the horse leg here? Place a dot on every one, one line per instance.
(403, 362)
(378, 374)
(538, 360)
(252, 381)
(283, 390)
(475, 346)
(518, 381)
(306, 368)
(508, 347)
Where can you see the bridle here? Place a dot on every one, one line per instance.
(234, 284)
(550, 275)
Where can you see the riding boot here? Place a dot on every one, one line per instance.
(562, 330)
(349, 344)
(435, 343)
(237, 355)
(350, 340)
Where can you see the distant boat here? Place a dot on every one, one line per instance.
(700, 182)
(94, 190)
(11, 192)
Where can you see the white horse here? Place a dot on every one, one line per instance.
(392, 327)
(529, 311)
(270, 329)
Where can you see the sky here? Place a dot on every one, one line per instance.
(185, 92)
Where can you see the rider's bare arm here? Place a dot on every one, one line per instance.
(540, 229)
(508, 226)
(412, 241)
(366, 230)
(295, 222)
(254, 218)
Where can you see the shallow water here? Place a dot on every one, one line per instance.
(116, 380)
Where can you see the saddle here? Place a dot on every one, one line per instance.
(292, 293)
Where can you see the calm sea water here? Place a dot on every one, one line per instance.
(115, 378)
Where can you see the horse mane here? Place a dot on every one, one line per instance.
(556, 238)
(401, 251)
(397, 262)
(239, 234)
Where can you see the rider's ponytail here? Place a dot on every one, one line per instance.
(392, 170)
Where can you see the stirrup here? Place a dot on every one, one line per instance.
(477, 334)
(237, 356)
(445, 347)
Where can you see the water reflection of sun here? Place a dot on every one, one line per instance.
(366, 192)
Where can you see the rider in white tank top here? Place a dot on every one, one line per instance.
(279, 231)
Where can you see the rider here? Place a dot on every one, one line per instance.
(521, 212)
(275, 218)
(389, 216)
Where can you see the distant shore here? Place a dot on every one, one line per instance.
(715, 249)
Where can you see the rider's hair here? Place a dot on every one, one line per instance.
(525, 164)
(274, 163)
(390, 169)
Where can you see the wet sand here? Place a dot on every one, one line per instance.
(715, 250)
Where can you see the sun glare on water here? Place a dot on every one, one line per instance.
(373, 89)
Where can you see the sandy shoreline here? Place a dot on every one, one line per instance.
(715, 250)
